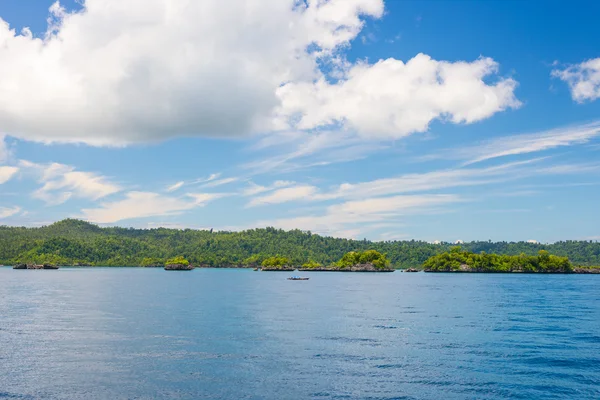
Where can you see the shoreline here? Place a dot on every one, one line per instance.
(576, 271)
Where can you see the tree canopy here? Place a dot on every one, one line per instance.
(276, 261)
(71, 242)
(458, 259)
(177, 260)
(365, 257)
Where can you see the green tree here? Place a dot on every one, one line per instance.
(177, 260)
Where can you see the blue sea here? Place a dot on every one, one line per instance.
(127, 333)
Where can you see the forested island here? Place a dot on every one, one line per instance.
(353, 261)
(74, 242)
(459, 260)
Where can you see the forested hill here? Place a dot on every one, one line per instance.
(72, 242)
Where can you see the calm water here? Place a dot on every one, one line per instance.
(239, 334)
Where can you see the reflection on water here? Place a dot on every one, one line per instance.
(239, 334)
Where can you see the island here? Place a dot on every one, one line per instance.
(277, 263)
(178, 264)
(354, 261)
(462, 261)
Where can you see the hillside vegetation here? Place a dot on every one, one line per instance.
(72, 242)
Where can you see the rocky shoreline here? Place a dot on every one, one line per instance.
(584, 270)
(178, 267)
(35, 266)
(354, 268)
(283, 268)
(465, 269)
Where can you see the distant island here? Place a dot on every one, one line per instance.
(459, 260)
(178, 264)
(353, 261)
(78, 243)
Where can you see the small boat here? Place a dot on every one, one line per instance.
(297, 278)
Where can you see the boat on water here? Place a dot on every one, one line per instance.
(297, 278)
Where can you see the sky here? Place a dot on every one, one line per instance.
(386, 120)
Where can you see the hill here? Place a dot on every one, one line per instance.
(70, 242)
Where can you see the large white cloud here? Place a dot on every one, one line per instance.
(126, 71)
(583, 79)
(392, 99)
(135, 70)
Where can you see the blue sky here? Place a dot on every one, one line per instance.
(440, 120)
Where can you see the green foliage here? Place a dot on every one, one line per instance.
(152, 262)
(276, 261)
(253, 260)
(177, 260)
(77, 242)
(458, 260)
(312, 265)
(349, 259)
(366, 257)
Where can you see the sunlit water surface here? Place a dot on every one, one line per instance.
(126, 333)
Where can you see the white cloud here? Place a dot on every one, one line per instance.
(201, 199)
(6, 173)
(523, 144)
(413, 183)
(253, 189)
(123, 71)
(128, 71)
(175, 186)
(583, 79)
(422, 182)
(391, 99)
(9, 212)
(349, 217)
(145, 204)
(61, 182)
(212, 177)
(219, 182)
(430, 181)
(285, 195)
(300, 151)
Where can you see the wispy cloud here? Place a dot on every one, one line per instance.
(6, 212)
(253, 189)
(522, 144)
(212, 177)
(146, 204)
(415, 183)
(309, 150)
(219, 182)
(7, 173)
(351, 216)
(303, 192)
(61, 182)
(175, 186)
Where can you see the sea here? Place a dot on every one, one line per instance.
(134, 333)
